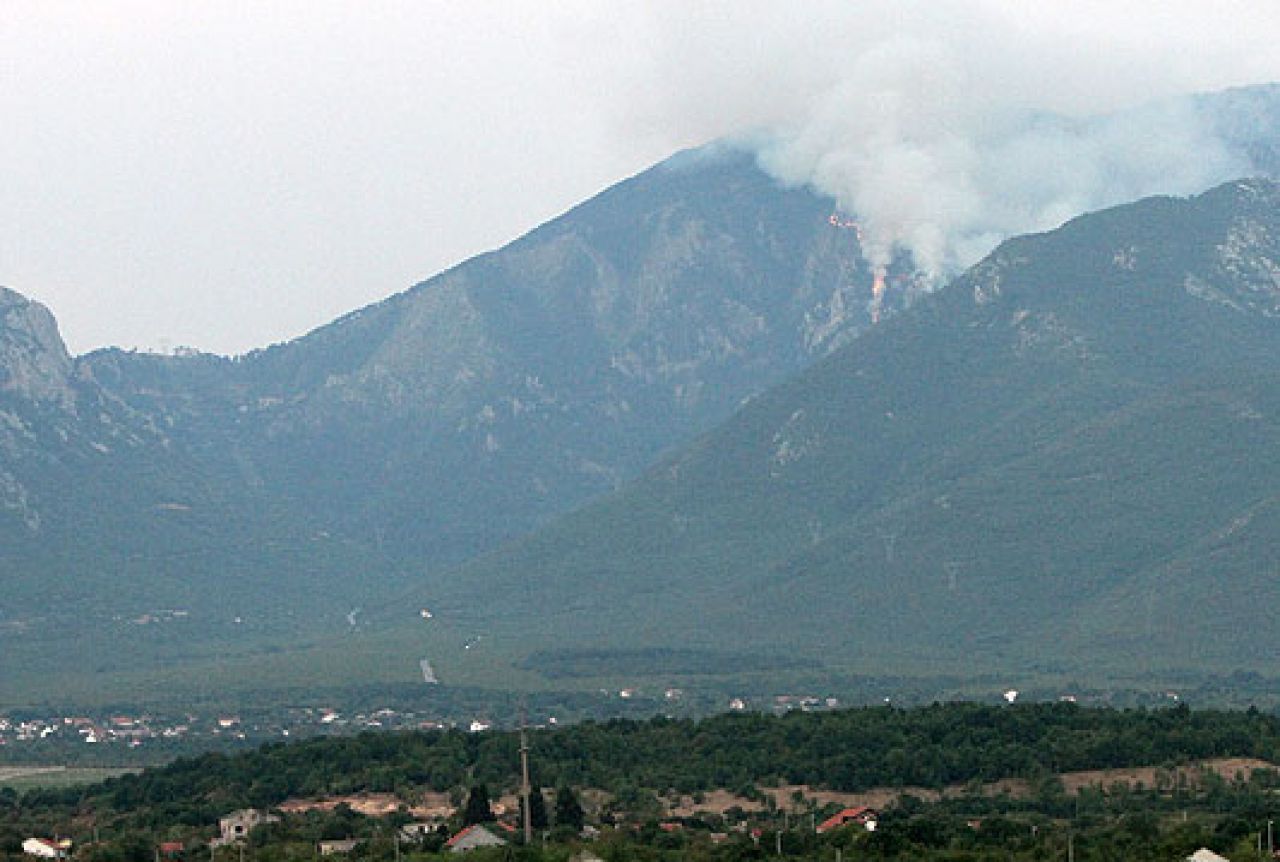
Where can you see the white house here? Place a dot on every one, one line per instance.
(1204, 854)
(46, 849)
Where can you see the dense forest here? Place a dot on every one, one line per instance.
(847, 750)
(635, 761)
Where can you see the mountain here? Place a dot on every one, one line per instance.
(1064, 460)
(280, 492)
(160, 511)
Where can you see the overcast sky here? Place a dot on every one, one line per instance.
(225, 175)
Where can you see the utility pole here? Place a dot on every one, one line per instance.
(1271, 844)
(525, 791)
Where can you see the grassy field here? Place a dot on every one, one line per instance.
(28, 777)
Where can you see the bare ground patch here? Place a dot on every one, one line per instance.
(787, 796)
(791, 796)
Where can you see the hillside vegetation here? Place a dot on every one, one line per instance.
(1062, 461)
(623, 767)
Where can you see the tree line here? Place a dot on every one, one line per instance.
(849, 750)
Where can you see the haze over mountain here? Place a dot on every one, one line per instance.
(156, 510)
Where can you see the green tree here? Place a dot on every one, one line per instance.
(537, 810)
(568, 809)
(477, 809)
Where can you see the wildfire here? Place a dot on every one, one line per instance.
(841, 222)
(838, 221)
(877, 295)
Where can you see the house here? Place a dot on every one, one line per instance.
(420, 829)
(170, 850)
(337, 848)
(1204, 854)
(237, 825)
(861, 815)
(471, 838)
(47, 849)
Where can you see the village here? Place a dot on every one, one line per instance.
(167, 734)
(134, 731)
(435, 824)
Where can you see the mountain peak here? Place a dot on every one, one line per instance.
(34, 362)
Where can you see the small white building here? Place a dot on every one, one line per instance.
(340, 847)
(237, 825)
(419, 830)
(1204, 854)
(45, 849)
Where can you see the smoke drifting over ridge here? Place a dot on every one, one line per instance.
(948, 193)
(228, 175)
(945, 127)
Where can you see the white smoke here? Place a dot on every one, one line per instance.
(946, 126)
(926, 176)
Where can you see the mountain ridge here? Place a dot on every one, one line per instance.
(884, 484)
(289, 495)
(273, 495)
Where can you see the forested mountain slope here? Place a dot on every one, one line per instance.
(1066, 458)
(281, 491)
(160, 509)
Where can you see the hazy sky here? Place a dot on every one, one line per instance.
(225, 175)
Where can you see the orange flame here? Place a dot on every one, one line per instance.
(877, 295)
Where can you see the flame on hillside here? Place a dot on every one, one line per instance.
(876, 307)
(877, 294)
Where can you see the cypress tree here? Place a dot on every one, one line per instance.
(568, 811)
(477, 809)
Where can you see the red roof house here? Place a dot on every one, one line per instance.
(861, 815)
(472, 837)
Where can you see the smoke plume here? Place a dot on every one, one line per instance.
(945, 126)
(925, 176)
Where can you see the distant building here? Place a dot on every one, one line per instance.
(237, 825)
(421, 829)
(45, 849)
(861, 815)
(338, 848)
(471, 838)
(1204, 854)
(171, 850)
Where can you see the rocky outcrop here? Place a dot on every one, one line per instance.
(34, 363)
